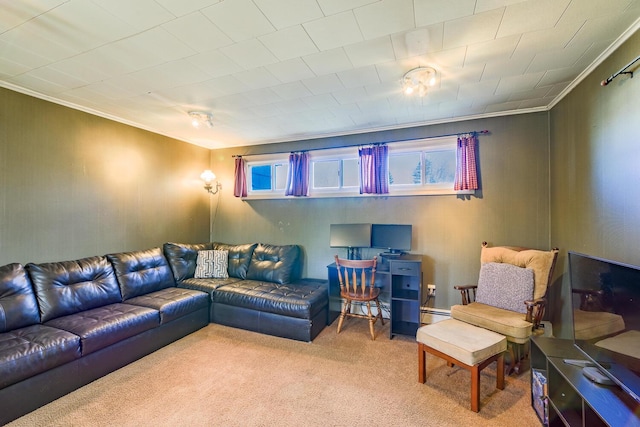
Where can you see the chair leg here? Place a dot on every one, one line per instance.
(343, 314)
(371, 321)
(379, 311)
(422, 370)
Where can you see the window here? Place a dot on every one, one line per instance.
(334, 174)
(419, 167)
(267, 177)
(405, 169)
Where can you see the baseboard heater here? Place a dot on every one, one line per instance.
(433, 315)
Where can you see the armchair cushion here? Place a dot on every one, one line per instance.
(508, 323)
(505, 286)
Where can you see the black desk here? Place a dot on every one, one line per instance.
(401, 281)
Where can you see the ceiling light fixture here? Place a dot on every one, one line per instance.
(418, 80)
(200, 118)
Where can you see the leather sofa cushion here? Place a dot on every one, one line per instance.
(182, 258)
(239, 257)
(173, 303)
(18, 305)
(273, 263)
(28, 351)
(206, 285)
(293, 300)
(69, 287)
(141, 272)
(100, 327)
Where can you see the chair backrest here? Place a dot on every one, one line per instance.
(541, 262)
(356, 276)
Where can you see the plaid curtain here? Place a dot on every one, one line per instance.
(240, 184)
(298, 175)
(466, 169)
(374, 169)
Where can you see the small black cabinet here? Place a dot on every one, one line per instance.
(406, 284)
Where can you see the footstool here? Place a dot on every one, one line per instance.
(466, 346)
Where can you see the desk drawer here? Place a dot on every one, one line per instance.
(405, 268)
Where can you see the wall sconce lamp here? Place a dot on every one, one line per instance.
(200, 118)
(208, 177)
(418, 80)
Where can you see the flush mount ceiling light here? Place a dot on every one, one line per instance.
(418, 80)
(200, 118)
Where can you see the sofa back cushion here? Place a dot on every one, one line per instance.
(274, 263)
(239, 257)
(141, 272)
(69, 287)
(182, 258)
(18, 305)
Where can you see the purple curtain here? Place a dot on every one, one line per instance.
(374, 169)
(240, 185)
(298, 175)
(466, 169)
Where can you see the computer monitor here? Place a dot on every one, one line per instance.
(395, 238)
(350, 236)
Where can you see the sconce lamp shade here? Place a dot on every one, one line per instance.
(208, 177)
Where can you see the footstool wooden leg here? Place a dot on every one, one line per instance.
(500, 372)
(475, 388)
(422, 374)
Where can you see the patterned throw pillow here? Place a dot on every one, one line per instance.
(505, 286)
(212, 265)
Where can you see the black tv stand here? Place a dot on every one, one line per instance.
(572, 399)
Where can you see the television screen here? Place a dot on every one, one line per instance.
(350, 235)
(605, 298)
(396, 238)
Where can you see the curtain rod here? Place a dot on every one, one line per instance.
(473, 132)
(622, 71)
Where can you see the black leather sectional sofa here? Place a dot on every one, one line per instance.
(65, 324)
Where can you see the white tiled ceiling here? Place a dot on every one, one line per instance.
(282, 70)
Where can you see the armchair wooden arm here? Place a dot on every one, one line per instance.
(590, 299)
(467, 292)
(535, 311)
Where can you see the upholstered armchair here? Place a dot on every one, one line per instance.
(510, 297)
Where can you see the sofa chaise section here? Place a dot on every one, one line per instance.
(263, 293)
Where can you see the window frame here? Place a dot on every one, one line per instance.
(422, 146)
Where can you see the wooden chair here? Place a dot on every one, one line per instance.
(356, 278)
(504, 307)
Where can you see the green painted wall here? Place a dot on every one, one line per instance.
(595, 171)
(73, 184)
(512, 208)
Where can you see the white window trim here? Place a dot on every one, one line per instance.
(427, 144)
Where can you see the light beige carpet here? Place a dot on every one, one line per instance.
(222, 376)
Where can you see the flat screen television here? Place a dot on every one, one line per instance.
(606, 318)
(351, 236)
(395, 238)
